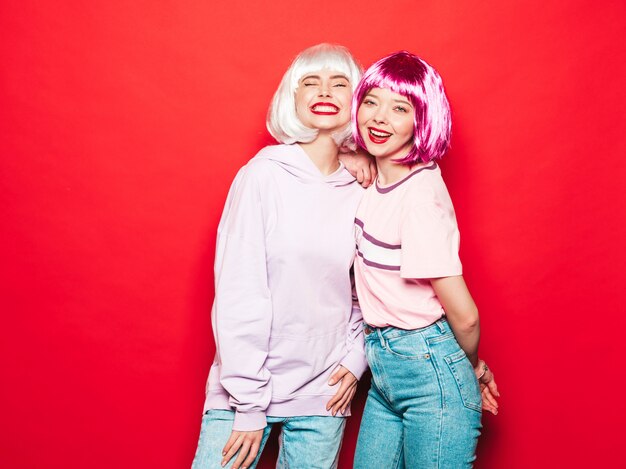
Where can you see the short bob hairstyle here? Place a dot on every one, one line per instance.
(282, 121)
(410, 76)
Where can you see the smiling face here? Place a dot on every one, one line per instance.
(323, 100)
(386, 123)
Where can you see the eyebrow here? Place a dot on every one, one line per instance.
(334, 77)
(402, 101)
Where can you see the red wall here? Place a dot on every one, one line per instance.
(123, 123)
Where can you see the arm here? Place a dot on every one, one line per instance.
(354, 364)
(461, 313)
(430, 250)
(462, 316)
(361, 165)
(355, 360)
(242, 316)
(242, 311)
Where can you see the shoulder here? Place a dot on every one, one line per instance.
(266, 160)
(427, 189)
(427, 177)
(260, 166)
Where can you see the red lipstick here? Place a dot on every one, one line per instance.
(377, 136)
(324, 109)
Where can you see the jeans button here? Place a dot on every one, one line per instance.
(368, 330)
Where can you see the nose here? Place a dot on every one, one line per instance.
(324, 89)
(380, 116)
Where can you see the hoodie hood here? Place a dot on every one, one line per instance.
(293, 159)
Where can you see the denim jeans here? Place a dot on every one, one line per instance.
(307, 442)
(424, 406)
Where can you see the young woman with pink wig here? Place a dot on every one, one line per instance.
(422, 329)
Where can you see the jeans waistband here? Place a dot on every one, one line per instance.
(436, 329)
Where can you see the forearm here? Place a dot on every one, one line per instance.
(467, 333)
(354, 360)
(461, 313)
(242, 310)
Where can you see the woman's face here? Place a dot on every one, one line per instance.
(385, 120)
(323, 100)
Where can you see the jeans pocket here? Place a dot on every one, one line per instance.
(409, 346)
(465, 379)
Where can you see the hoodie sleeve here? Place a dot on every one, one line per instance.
(355, 360)
(242, 314)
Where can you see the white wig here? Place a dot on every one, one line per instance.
(282, 121)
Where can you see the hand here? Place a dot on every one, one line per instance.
(345, 393)
(488, 387)
(249, 442)
(361, 166)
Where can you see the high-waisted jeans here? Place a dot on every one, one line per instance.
(423, 409)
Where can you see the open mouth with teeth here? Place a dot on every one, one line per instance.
(324, 109)
(378, 136)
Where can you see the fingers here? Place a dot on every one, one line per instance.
(487, 396)
(232, 446)
(342, 397)
(338, 375)
(338, 395)
(336, 398)
(373, 170)
(247, 443)
(489, 402)
(493, 387)
(360, 176)
(349, 397)
(254, 450)
(342, 402)
(245, 449)
(367, 176)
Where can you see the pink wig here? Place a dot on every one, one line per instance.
(410, 76)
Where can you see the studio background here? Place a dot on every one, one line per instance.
(122, 124)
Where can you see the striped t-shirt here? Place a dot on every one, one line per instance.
(406, 234)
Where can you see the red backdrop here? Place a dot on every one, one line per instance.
(122, 125)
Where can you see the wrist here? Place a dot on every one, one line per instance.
(249, 421)
(481, 369)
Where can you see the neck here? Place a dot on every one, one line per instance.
(323, 151)
(390, 172)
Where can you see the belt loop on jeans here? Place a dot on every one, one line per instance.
(383, 343)
(440, 325)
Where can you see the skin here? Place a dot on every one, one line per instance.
(391, 115)
(362, 166)
(333, 88)
(325, 86)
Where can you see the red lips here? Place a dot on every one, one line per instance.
(377, 136)
(324, 109)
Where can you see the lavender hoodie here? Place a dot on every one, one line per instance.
(283, 315)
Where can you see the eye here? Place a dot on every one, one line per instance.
(401, 109)
(341, 84)
(309, 83)
(368, 102)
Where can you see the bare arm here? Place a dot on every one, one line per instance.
(462, 316)
(461, 313)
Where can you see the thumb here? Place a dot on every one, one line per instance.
(339, 374)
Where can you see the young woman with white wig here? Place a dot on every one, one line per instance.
(288, 334)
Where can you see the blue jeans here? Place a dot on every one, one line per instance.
(424, 406)
(308, 442)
